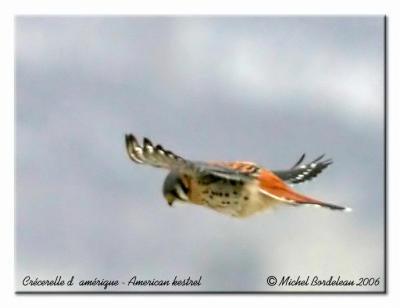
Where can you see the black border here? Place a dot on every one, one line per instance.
(385, 278)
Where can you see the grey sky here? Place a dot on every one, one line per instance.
(263, 89)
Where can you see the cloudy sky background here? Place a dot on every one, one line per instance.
(258, 89)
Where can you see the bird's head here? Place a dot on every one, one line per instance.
(174, 188)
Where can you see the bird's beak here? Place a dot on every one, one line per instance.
(170, 199)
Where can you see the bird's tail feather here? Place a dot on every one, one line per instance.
(301, 200)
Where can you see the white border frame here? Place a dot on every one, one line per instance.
(9, 9)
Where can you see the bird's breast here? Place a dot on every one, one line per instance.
(235, 198)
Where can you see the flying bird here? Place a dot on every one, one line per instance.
(238, 189)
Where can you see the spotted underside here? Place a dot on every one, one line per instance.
(233, 197)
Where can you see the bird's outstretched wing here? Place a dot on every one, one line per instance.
(155, 156)
(305, 172)
(159, 157)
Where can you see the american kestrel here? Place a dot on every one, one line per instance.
(239, 189)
